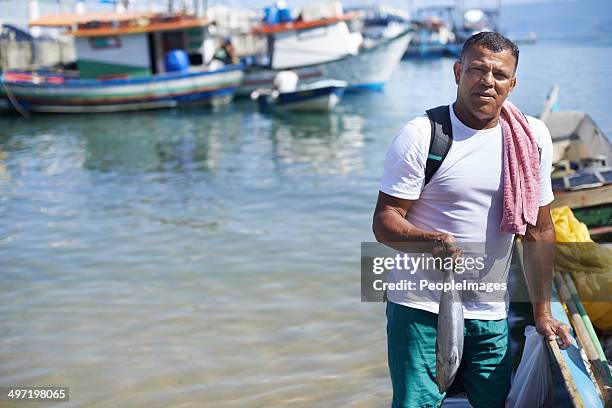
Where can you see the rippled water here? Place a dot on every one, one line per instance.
(211, 258)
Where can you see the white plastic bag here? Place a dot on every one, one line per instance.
(532, 385)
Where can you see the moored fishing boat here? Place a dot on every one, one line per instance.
(442, 30)
(323, 48)
(125, 61)
(582, 178)
(433, 32)
(319, 96)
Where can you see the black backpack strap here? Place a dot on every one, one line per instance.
(441, 139)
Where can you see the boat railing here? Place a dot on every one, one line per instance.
(271, 29)
(48, 78)
(33, 77)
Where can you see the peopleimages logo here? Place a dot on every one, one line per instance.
(423, 284)
(411, 263)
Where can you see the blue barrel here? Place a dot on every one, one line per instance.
(284, 15)
(271, 15)
(177, 61)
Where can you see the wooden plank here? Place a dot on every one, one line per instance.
(576, 372)
(597, 366)
(587, 197)
(568, 381)
(600, 230)
(587, 323)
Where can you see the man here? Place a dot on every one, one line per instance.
(226, 52)
(462, 202)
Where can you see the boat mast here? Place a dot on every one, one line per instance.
(33, 14)
(410, 5)
(498, 25)
(458, 15)
(201, 7)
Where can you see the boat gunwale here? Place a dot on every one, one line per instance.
(251, 69)
(92, 100)
(77, 82)
(137, 29)
(271, 29)
(305, 94)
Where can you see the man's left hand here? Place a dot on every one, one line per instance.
(550, 328)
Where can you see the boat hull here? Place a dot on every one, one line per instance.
(369, 69)
(307, 100)
(116, 95)
(572, 385)
(321, 103)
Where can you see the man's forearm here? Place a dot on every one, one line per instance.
(539, 258)
(391, 227)
(539, 269)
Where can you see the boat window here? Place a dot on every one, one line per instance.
(607, 176)
(104, 42)
(583, 180)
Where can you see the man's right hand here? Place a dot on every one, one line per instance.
(444, 247)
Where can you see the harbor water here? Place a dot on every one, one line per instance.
(211, 257)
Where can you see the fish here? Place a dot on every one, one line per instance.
(449, 340)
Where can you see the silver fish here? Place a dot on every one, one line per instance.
(449, 341)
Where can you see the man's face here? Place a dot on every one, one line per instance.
(484, 79)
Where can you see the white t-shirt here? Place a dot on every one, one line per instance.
(463, 198)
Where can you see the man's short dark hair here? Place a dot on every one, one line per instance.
(492, 41)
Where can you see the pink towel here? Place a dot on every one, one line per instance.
(521, 172)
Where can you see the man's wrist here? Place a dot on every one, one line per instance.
(541, 309)
(438, 237)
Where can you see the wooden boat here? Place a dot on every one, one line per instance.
(319, 96)
(433, 32)
(582, 177)
(575, 384)
(572, 383)
(324, 49)
(125, 61)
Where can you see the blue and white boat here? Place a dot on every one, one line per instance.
(320, 96)
(320, 46)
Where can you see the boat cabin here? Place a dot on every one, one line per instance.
(320, 34)
(132, 44)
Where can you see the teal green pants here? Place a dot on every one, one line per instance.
(485, 368)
